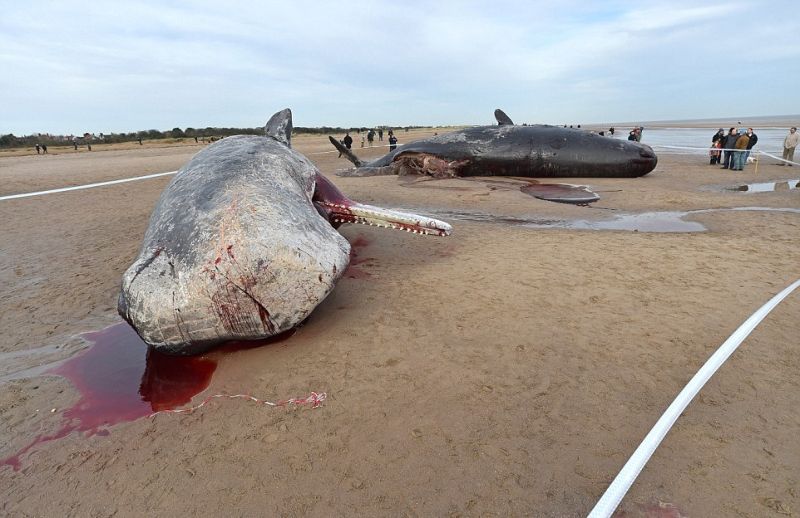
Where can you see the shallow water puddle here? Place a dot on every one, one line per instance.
(644, 222)
(785, 185)
(119, 379)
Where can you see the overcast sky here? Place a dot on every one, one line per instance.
(71, 67)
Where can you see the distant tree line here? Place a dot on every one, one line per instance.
(11, 141)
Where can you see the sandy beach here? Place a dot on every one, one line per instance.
(507, 370)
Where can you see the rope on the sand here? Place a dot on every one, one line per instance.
(315, 399)
(112, 182)
(703, 150)
(156, 175)
(779, 158)
(86, 186)
(352, 149)
(620, 485)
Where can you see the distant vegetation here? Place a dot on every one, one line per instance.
(12, 141)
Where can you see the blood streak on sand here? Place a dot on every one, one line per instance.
(353, 271)
(120, 379)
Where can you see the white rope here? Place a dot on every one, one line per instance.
(112, 182)
(352, 149)
(703, 150)
(149, 176)
(623, 481)
(86, 186)
(779, 158)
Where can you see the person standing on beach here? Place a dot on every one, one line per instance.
(728, 144)
(741, 149)
(347, 141)
(752, 142)
(789, 143)
(392, 141)
(44, 148)
(38, 149)
(716, 144)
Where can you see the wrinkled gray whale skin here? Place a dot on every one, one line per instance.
(242, 245)
(537, 151)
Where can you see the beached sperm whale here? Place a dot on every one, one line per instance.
(242, 244)
(536, 151)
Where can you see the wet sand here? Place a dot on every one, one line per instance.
(505, 370)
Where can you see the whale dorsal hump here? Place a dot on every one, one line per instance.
(502, 118)
(279, 127)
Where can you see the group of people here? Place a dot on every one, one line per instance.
(370, 137)
(635, 134)
(732, 148)
(41, 148)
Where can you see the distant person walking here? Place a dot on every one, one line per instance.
(392, 141)
(380, 135)
(728, 144)
(38, 149)
(789, 143)
(370, 137)
(44, 148)
(347, 140)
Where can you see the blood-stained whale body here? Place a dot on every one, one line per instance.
(242, 244)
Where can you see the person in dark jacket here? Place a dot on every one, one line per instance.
(716, 143)
(752, 142)
(347, 140)
(728, 144)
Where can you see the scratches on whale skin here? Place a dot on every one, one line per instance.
(226, 300)
(179, 323)
(148, 262)
(263, 314)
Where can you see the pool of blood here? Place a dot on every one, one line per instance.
(119, 379)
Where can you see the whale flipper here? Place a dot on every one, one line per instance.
(346, 152)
